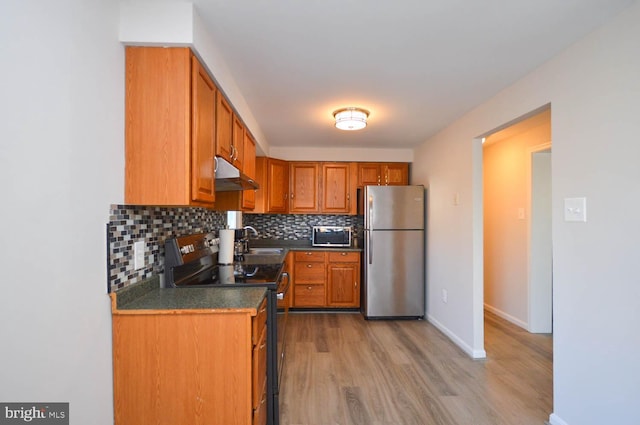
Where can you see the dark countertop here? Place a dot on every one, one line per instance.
(299, 245)
(147, 295)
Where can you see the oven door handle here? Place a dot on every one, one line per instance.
(280, 295)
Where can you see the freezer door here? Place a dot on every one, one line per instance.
(394, 207)
(394, 274)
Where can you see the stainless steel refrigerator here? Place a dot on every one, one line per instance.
(394, 285)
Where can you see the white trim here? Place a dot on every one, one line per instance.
(507, 317)
(475, 354)
(555, 420)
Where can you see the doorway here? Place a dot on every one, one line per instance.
(517, 222)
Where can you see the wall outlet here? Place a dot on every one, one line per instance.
(444, 296)
(138, 255)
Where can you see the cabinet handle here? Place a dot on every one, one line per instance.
(309, 266)
(291, 195)
(355, 284)
(309, 288)
(309, 253)
(348, 197)
(262, 346)
(343, 253)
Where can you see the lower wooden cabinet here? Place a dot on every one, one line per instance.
(343, 279)
(309, 279)
(180, 367)
(326, 279)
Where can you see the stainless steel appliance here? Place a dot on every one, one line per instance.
(393, 268)
(192, 260)
(331, 236)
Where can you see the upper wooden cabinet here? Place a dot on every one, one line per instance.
(242, 200)
(338, 188)
(304, 187)
(383, 174)
(249, 167)
(224, 127)
(170, 128)
(273, 177)
(237, 143)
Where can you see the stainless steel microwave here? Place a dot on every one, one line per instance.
(331, 236)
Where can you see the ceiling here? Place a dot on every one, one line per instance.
(417, 65)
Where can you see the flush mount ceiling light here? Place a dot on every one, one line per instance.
(351, 118)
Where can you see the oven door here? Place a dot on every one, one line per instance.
(281, 320)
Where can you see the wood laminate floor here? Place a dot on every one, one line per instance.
(341, 369)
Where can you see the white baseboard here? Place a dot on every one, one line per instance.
(555, 420)
(473, 353)
(507, 317)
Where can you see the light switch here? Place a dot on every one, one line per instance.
(575, 209)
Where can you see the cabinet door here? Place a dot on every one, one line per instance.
(368, 174)
(343, 289)
(304, 187)
(224, 127)
(157, 126)
(277, 186)
(237, 146)
(249, 154)
(396, 173)
(203, 98)
(336, 196)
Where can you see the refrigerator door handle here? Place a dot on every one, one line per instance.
(369, 246)
(370, 201)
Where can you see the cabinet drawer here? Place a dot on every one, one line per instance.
(259, 370)
(259, 322)
(309, 296)
(310, 256)
(309, 272)
(344, 257)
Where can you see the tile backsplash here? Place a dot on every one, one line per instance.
(298, 226)
(153, 225)
(128, 224)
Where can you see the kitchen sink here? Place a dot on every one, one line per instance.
(264, 256)
(266, 251)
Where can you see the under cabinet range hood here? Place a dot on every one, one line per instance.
(230, 179)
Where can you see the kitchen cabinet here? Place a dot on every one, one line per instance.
(343, 279)
(326, 279)
(383, 174)
(169, 128)
(224, 128)
(273, 177)
(190, 366)
(304, 187)
(338, 188)
(249, 166)
(242, 200)
(237, 144)
(310, 279)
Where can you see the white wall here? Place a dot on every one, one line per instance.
(61, 162)
(593, 88)
(341, 154)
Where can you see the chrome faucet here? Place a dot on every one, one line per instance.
(253, 230)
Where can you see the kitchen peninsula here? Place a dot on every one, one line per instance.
(176, 353)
